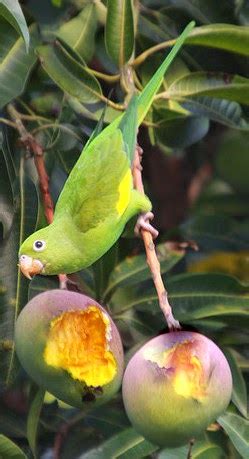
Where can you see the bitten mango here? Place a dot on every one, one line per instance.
(69, 345)
(175, 386)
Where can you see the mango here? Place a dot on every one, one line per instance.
(69, 345)
(175, 386)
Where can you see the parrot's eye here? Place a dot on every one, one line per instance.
(38, 246)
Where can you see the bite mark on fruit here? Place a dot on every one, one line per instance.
(78, 342)
(182, 365)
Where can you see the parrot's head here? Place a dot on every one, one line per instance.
(37, 253)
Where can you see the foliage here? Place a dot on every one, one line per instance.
(62, 62)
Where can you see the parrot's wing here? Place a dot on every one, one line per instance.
(100, 184)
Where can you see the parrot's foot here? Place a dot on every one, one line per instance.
(173, 324)
(63, 281)
(143, 222)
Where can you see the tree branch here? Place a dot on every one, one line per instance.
(36, 150)
(191, 444)
(152, 259)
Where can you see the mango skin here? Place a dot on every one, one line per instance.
(31, 333)
(154, 408)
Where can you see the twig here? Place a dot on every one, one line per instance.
(198, 182)
(36, 150)
(143, 56)
(63, 432)
(191, 444)
(104, 76)
(23, 116)
(8, 122)
(56, 126)
(152, 259)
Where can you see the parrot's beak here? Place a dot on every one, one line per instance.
(30, 266)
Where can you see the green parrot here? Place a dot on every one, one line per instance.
(98, 198)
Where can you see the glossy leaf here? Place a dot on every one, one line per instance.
(6, 201)
(237, 429)
(135, 269)
(180, 133)
(205, 12)
(12, 424)
(15, 63)
(14, 287)
(127, 444)
(94, 111)
(36, 402)
(222, 111)
(202, 449)
(232, 160)
(9, 450)
(193, 297)
(12, 12)
(71, 76)
(228, 37)
(215, 232)
(40, 284)
(102, 270)
(239, 396)
(79, 32)
(119, 31)
(220, 85)
(154, 84)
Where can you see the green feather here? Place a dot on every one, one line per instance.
(128, 127)
(98, 198)
(147, 95)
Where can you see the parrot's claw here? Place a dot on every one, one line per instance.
(143, 223)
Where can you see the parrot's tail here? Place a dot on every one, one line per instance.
(129, 126)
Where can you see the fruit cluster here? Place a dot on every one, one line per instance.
(173, 387)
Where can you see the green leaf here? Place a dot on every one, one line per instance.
(232, 160)
(41, 284)
(239, 396)
(237, 428)
(36, 402)
(228, 37)
(102, 269)
(119, 31)
(201, 450)
(212, 84)
(145, 98)
(71, 76)
(180, 132)
(12, 12)
(216, 232)
(94, 111)
(9, 450)
(222, 111)
(206, 12)
(127, 444)
(15, 63)
(12, 424)
(79, 32)
(135, 269)
(6, 202)
(14, 287)
(200, 296)
(193, 297)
